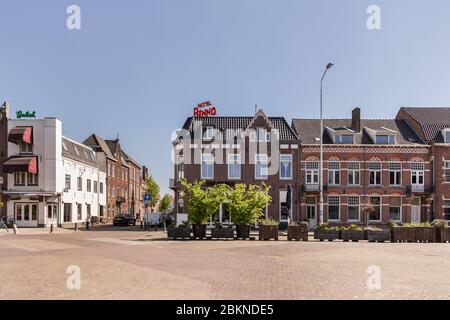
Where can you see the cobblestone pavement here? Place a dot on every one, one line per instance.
(132, 264)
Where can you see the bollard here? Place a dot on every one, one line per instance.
(51, 228)
(76, 226)
(16, 231)
(87, 225)
(142, 225)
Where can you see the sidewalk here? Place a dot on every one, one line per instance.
(33, 231)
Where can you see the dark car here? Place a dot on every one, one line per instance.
(124, 220)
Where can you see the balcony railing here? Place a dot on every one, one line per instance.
(313, 187)
(419, 188)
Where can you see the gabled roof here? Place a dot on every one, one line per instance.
(95, 141)
(431, 119)
(79, 152)
(308, 130)
(241, 123)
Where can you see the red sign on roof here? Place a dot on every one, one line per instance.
(205, 109)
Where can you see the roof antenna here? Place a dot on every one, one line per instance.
(256, 108)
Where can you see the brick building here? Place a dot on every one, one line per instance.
(4, 117)
(239, 150)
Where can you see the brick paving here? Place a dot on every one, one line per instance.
(132, 264)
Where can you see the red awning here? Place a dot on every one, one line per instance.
(21, 164)
(19, 134)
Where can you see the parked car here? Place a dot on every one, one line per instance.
(124, 220)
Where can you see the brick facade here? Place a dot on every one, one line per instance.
(4, 116)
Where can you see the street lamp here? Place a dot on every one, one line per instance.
(329, 65)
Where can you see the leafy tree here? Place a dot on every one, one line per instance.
(153, 189)
(165, 202)
(247, 202)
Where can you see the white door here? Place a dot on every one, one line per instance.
(311, 215)
(415, 210)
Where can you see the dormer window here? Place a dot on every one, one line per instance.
(209, 133)
(446, 135)
(344, 138)
(385, 139)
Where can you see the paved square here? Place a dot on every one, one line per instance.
(132, 264)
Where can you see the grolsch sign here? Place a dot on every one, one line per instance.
(205, 109)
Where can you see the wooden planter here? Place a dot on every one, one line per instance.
(179, 233)
(424, 234)
(402, 234)
(299, 232)
(352, 235)
(222, 233)
(443, 235)
(377, 235)
(199, 231)
(329, 235)
(267, 232)
(243, 231)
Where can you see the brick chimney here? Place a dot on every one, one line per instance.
(356, 119)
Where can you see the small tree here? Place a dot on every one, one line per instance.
(247, 202)
(164, 203)
(153, 189)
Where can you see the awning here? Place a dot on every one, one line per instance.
(19, 134)
(21, 164)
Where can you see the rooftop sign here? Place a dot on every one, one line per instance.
(205, 109)
(26, 114)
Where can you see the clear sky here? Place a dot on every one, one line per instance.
(136, 68)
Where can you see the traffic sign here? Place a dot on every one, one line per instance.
(147, 198)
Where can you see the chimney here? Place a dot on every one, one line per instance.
(4, 110)
(356, 119)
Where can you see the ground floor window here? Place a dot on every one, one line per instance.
(333, 208)
(284, 210)
(447, 209)
(52, 211)
(67, 212)
(102, 210)
(26, 211)
(395, 211)
(353, 208)
(88, 211)
(79, 211)
(375, 213)
(222, 216)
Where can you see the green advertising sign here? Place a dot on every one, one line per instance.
(26, 114)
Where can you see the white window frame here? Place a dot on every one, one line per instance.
(332, 173)
(207, 160)
(25, 148)
(32, 179)
(354, 169)
(289, 161)
(234, 159)
(380, 205)
(447, 171)
(338, 139)
(259, 160)
(418, 171)
(20, 178)
(209, 133)
(312, 171)
(354, 204)
(379, 171)
(401, 211)
(395, 170)
(390, 138)
(334, 204)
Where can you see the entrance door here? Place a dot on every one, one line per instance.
(311, 211)
(52, 213)
(415, 210)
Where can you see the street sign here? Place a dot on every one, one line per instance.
(147, 198)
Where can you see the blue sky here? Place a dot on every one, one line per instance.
(136, 68)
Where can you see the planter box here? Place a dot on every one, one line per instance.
(298, 232)
(243, 231)
(179, 233)
(223, 233)
(424, 234)
(402, 234)
(377, 235)
(443, 235)
(199, 231)
(352, 235)
(329, 235)
(268, 232)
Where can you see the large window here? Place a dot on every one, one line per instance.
(333, 172)
(67, 212)
(353, 173)
(375, 173)
(312, 172)
(395, 173)
(234, 166)
(207, 166)
(353, 208)
(385, 139)
(261, 161)
(52, 211)
(417, 173)
(26, 211)
(395, 208)
(375, 213)
(285, 166)
(260, 135)
(344, 138)
(333, 208)
(209, 133)
(19, 178)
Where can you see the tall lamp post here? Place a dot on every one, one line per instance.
(329, 65)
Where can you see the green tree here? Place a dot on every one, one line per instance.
(247, 202)
(152, 188)
(164, 203)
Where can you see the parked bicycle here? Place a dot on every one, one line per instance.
(6, 223)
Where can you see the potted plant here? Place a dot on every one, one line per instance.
(325, 232)
(442, 230)
(403, 233)
(183, 231)
(424, 232)
(268, 229)
(246, 204)
(352, 233)
(298, 231)
(221, 232)
(374, 234)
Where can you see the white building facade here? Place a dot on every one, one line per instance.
(37, 167)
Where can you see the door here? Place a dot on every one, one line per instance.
(52, 213)
(311, 211)
(26, 214)
(415, 210)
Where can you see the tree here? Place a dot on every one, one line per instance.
(164, 203)
(247, 202)
(152, 188)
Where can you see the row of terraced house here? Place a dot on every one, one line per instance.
(49, 179)
(399, 166)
